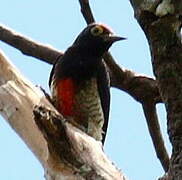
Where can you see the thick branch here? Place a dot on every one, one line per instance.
(18, 97)
(71, 146)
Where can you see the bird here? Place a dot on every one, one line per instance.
(80, 83)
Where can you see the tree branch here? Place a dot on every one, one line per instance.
(65, 152)
(155, 132)
(28, 46)
(17, 98)
(140, 87)
(86, 11)
(72, 147)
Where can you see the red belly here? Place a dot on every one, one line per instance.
(66, 96)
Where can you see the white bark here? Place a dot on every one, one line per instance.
(18, 98)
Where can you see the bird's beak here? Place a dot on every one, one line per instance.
(112, 38)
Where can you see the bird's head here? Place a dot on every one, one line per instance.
(96, 39)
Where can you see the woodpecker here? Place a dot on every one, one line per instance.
(79, 81)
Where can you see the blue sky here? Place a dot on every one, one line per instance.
(57, 23)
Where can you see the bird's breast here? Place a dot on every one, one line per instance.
(81, 104)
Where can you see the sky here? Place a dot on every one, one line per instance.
(57, 23)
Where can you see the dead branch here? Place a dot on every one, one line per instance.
(17, 98)
(64, 151)
(72, 147)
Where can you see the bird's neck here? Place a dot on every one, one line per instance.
(84, 63)
(91, 51)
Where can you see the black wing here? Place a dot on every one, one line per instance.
(53, 69)
(103, 82)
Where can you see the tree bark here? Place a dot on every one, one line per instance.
(63, 150)
(162, 21)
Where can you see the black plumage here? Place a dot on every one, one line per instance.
(83, 65)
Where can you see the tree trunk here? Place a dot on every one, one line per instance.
(161, 21)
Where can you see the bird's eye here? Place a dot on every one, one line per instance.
(97, 30)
